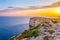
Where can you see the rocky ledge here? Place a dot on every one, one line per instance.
(41, 28)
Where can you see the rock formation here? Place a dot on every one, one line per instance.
(41, 28)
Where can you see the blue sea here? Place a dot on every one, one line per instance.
(10, 26)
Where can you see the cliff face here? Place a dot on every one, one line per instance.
(38, 20)
(41, 28)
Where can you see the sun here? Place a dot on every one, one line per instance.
(58, 10)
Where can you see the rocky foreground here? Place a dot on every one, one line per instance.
(41, 28)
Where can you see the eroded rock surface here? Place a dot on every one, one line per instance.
(41, 28)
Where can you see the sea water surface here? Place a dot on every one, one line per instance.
(10, 26)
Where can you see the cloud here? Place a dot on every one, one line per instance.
(37, 11)
(11, 8)
(57, 4)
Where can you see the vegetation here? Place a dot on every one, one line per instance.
(54, 20)
(11, 39)
(34, 31)
(46, 38)
(26, 31)
(51, 31)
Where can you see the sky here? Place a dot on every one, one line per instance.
(4, 4)
(51, 12)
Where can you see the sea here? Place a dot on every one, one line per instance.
(10, 26)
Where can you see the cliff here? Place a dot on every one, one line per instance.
(41, 28)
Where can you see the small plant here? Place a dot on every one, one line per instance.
(25, 32)
(35, 33)
(51, 31)
(11, 39)
(54, 21)
(46, 38)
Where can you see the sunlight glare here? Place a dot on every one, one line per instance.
(58, 10)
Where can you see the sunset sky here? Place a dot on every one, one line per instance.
(7, 8)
